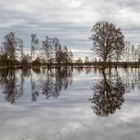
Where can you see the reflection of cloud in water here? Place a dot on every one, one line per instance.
(70, 117)
(62, 122)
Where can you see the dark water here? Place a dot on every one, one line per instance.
(70, 104)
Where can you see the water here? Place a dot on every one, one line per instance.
(70, 104)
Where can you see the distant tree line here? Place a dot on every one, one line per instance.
(131, 53)
(48, 51)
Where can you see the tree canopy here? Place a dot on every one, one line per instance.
(108, 40)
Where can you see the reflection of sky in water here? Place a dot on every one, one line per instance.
(69, 116)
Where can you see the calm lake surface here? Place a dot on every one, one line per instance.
(70, 104)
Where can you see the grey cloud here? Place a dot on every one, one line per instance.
(71, 21)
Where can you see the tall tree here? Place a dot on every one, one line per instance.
(9, 46)
(47, 45)
(20, 49)
(34, 45)
(108, 41)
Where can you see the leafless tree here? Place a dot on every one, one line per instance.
(63, 55)
(9, 46)
(20, 49)
(47, 45)
(34, 45)
(54, 51)
(108, 41)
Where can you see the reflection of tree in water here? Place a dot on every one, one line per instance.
(108, 95)
(63, 77)
(34, 85)
(26, 72)
(34, 89)
(9, 85)
(50, 89)
(132, 79)
(52, 86)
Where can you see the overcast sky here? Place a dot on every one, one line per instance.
(69, 20)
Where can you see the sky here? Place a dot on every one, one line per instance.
(69, 20)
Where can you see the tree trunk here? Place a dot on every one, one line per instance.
(104, 63)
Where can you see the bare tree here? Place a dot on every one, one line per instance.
(20, 49)
(70, 56)
(34, 45)
(9, 47)
(108, 41)
(48, 47)
(126, 54)
(138, 50)
(63, 55)
(59, 55)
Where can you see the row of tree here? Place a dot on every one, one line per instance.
(50, 50)
(131, 53)
(108, 43)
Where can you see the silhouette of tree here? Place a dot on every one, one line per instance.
(108, 95)
(10, 87)
(3, 60)
(20, 49)
(48, 47)
(34, 45)
(55, 52)
(9, 48)
(26, 60)
(63, 77)
(108, 41)
(52, 88)
(35, 90)
(36, 63)
(63, 55)
(34, 86)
